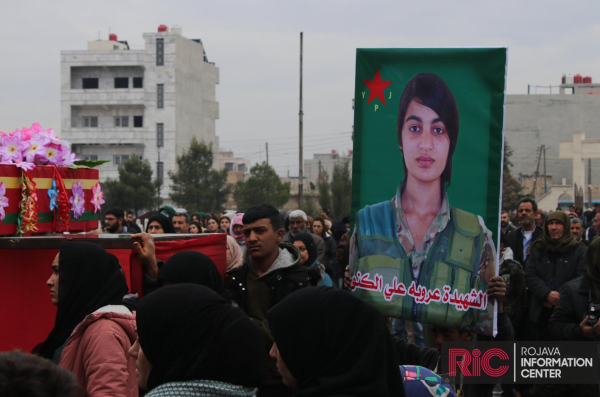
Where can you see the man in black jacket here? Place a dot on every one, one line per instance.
(555, 259)
(270, 272)
(520, 240)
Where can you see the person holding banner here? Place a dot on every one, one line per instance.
(437, 255)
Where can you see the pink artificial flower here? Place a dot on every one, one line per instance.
(24, 165)
(3, 201)
(29, 132)
(11, 148)
(97, 197)
(77, 200)
(38, 143)
(51, 156)
(69, 158)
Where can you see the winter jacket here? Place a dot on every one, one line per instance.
(571, 309)
(201, 388)
(545, 272)
(282, 280)
(515, 300)
(329, 258)
(97, 353)
(515, 242)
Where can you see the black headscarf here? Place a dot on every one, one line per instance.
(311, 247)
(89, 278)
(188, 332)
(195, 268)
(338, 228)
(350, 352)
(165, 222)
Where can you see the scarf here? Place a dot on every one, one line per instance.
(236, 254)
(591, 259)
(310, 245)
(165, 222)
(237, 220)
(566, 244)
(350, 351)
(89, 278)
(188, 332)
(193, 267)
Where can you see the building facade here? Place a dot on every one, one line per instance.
(117, 102)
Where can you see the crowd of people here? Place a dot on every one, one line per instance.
(282, 322)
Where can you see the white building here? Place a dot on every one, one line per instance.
(149, 102)
(322, 163)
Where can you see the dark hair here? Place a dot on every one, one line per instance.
(224, 217)
(187, 220)
(263, 211)
(24, 374)
(503, 239)
(504, 212)
(197, 225)
(212, 217)
(430, 90)
(317, 219)
(116, 211)
(528, 200)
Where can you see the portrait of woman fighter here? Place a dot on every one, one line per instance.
(417, 236)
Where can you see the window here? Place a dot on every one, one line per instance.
(89, 157)
(229, 166)
(160, 52)
(122, 121)
(138, 82)
(138, 121)
(119, 159)
(121, 82)
(91, 121)
(159, 170)
(242, 167)
(160, 135)
(160, 96)
(89, 83)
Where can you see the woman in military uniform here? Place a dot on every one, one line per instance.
(417, 236)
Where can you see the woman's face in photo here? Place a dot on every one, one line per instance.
(425, 143)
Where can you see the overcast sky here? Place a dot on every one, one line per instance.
(255, 45)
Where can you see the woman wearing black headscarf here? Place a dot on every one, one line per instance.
(93, 331)
(352, 358)
(193, 342)
(308, 257)
(160, 224)
(192, 267)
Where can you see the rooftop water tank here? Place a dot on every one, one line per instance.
(563, 79)
(578, 79)
(163, 28)
(587, 80)
(112, 37)
(569, 78)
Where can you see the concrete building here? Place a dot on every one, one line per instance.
(238, 168)
(118, 102)
(535, 120)
(323, 163)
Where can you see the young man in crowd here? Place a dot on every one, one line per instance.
(270, 272)
(114, 219)
(505, 223)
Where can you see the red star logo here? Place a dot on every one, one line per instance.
(376, 87)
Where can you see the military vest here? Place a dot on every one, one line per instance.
(452, 260)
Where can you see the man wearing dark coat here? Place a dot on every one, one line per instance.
(556, 258)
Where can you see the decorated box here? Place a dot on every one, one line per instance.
(44, 187)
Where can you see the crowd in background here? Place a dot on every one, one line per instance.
(281, 322)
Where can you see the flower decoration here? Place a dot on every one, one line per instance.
(3, 201)
(97, 197)
(77, 200)
(35, 146)
(12, 147)
(52, 194)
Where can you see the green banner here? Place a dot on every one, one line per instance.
(426, 181)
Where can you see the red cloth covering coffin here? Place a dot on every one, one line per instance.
(26, 310)
(42, 176)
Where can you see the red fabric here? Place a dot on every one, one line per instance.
(213, 246)
(26, 309)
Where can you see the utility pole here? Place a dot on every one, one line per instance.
(537, 171)
(320, 172)
(267, 145)
(590, 204)
(301, 114)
